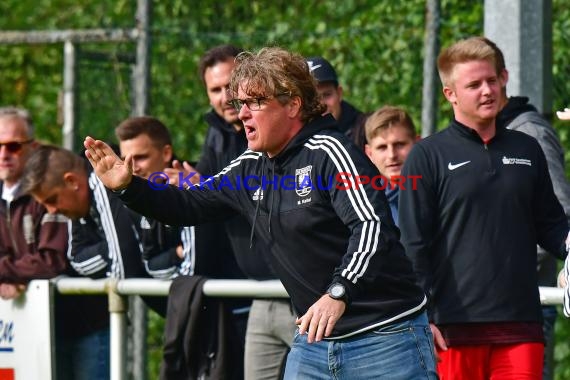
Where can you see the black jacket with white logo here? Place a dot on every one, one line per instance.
(316, 231)
(472, 225)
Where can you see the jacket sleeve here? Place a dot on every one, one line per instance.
(164, 265)
(45, 258)
(160, 261)
(417, 212)
(363, 210)
(214, 200)
(88, 256)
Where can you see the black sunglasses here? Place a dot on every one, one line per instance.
(15, 146)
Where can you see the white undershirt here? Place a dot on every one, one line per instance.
(9, 192)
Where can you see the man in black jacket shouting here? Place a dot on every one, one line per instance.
(309, 196)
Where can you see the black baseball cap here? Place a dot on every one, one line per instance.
(322, 70)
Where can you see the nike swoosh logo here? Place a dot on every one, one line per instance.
(451, 166)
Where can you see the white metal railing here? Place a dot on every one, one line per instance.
(551, 296)
(119, 290)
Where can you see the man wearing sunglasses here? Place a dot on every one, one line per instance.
(26, 251)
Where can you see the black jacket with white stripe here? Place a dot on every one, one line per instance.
(207, 251)
(159, 244)
(317, 232)
(105, 243)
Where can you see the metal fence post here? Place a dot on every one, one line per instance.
(118, 307)
(69, 96)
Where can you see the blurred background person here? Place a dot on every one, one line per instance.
(330, 92)
(171, 251)
(390, 135)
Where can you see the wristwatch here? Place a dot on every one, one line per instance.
(337, 291)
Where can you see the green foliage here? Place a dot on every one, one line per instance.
(154, 343)
(377, 48)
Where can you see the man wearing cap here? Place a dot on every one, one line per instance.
(330, 93)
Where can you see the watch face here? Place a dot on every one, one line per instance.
(337, 290)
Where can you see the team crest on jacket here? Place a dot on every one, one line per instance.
(516, 161)
(303, 181)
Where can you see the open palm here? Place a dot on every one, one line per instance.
(115, 173)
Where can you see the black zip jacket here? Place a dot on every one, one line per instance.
(221, 145)
(472, 225)
(315, 231)
(349, 118)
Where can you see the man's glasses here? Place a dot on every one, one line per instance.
(15, 146)
(253, 104)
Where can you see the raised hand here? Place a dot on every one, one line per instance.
(186, 169)
(11, 291)
(111, 170)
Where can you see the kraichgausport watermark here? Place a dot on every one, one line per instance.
(300, 182)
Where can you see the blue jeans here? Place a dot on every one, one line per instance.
(84, 358)
(399, 351)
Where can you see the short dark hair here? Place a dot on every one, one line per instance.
(144, 125)
(215, 55)
(47, 165)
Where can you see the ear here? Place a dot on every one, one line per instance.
(504, 77)
(167, 154)
(339, 90)
(449, 94)
(294, 107)
(71, 180)
(368, 150)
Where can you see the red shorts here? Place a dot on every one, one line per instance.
(520, 361)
